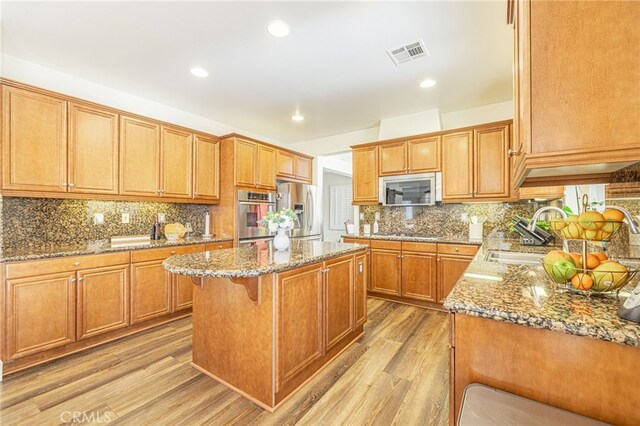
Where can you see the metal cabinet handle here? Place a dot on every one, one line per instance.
(76, 263)
(72, 185)
(64, 183)
(73, 280)
(173, 252)
(512, 153)
(457, 249)
(80, 279)
(219, 247)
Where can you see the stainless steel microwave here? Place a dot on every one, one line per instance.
(423, 189)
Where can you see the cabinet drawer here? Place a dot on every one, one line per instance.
(163, 253)
(364, 241)
(419, 247)
(461, 249)
(65, 264)
(219, 245)
(388, 245)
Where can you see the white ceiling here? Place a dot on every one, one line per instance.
(332, 67)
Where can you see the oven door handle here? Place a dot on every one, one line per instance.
(253, 203)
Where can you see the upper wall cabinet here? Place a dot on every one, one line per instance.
(457, 166)
(291, 166)
(206, 174)
(34, 148)
(365, 175)
(177, 162)
(139, 158)
(574, 108)
(266, 172)
(93, 150)
(419, 155)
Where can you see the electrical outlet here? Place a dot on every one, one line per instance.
(361, 216)
(162, 217)
(125, 218)
(98, 218)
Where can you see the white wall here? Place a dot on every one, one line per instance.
(331, 179)
(47, 78)
(336, 143)
(409, 124)
(479, 115)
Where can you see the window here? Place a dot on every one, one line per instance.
(340, 208)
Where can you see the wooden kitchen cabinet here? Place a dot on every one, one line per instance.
(40, 313)
(206, 174)
(385, 271)
(139, 157)
(92, 150)
(34, 141)
(393, 159)
(557, 123)
(339, 299)
(246, 156)
(299, 322)
(150, 291)
(491, 162)
(304, 168)
(266, 172)
(176, 154)
(423, 154)
(285, 164)
(361, 283)
(450, 269)
(182, 292)
(542, 192)
(219, 245)
(103, 300)
(419, 275)
(365, 175)
(457, 166)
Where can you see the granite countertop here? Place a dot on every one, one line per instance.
(252, 261)
(46, 251)
(443, 239)
(522, 294)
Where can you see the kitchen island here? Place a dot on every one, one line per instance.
(512, 330)
(266, 321)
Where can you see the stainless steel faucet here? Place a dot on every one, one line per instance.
(536, 215)
(633, 224)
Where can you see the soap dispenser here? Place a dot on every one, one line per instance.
(376, 226)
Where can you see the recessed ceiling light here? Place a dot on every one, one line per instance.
(199, 72)
(297, 117)
(278, 29)
(427, 83)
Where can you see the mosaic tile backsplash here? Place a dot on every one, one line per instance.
(35, 221)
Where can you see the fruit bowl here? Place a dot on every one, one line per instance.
(596, 230)
(608, 277)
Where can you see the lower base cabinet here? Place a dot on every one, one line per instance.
(385, 271)
(150, 291)
(450, 270)
(419, 272)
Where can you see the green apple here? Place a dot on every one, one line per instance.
(563, 270)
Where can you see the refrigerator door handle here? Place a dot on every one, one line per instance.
(311, 207)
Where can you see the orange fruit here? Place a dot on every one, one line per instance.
(582, 281)
(577, 259)
(601, 256)
(613, 214)
(592, 261)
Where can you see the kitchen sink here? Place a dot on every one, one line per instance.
(513, 257)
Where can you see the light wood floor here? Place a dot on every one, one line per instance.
(396, 374)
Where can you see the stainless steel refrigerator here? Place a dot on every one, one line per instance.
(304, 200)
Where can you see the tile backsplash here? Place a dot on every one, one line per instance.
(34, 221)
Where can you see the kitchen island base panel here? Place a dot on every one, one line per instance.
(591, 377)
(236, 341)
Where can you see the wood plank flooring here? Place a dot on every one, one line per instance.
(396, 374)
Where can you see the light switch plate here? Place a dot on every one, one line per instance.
(98, 218)
(125, 218)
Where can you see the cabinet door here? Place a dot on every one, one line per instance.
(103, 300)
(457, 166)
(300, 334)
(303, 168)
(419, 276)
(139, 158)
(542, 192)
(360, 292)
(424, 155)
(393, 159)
(521, 90)
(177, 163)
(41, 313)
(450, 269)
(93, 150)
(285, 163)
(182, 292)
(206, 185)
(266, 167)
(150, 291)
(385, 271)
(34, 141)
(365, 175)
(246, 154)
(491, 162)
(339, 300)
(219, 246)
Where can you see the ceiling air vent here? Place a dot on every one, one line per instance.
(407, 53)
